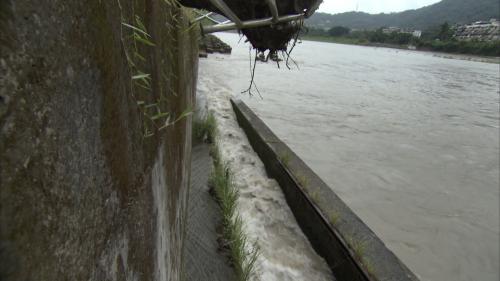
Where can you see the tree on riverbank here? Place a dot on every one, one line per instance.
(339, 31)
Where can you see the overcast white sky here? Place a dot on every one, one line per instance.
(372, 6)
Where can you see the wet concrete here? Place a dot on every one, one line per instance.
(203, 260)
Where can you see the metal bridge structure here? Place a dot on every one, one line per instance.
(234, 22)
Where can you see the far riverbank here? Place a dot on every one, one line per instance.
(351, 41)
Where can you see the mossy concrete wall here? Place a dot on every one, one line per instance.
(84, 194)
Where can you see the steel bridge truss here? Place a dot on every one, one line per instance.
(235, 23)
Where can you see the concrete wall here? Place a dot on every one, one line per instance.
(84, 195)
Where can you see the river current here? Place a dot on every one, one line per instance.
(409, 140)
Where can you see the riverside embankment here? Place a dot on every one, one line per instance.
(458, 56)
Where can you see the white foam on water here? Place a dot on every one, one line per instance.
(285, 252)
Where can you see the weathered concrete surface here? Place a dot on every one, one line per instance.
(83, 195)
(204, 261)
(351, 249)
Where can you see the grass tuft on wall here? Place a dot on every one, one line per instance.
(205, 129)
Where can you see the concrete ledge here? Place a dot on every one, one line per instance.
(203, 259)
(351, 249)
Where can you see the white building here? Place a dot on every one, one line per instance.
(392, 29)
(417, 33)
(479, 30)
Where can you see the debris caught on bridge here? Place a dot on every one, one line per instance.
(268, 24)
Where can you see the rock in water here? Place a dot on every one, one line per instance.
(211, 44)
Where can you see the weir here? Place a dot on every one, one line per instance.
(350, 248)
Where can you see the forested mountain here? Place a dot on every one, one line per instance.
(452, 11)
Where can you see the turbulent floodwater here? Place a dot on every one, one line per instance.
(408, 140)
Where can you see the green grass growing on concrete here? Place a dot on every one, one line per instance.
(302, 180)
(284, 158)
(334, 217)
(138, 43)
(369, 266)
(243, 255)
(315, 196)
(359, 249)
(244, 260)
(205, 129)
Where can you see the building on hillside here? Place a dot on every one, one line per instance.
(393, 29)
(417, 33)
(479, 30)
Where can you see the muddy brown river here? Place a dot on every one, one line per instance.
(409, 140)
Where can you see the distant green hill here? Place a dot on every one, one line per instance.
(452, 11)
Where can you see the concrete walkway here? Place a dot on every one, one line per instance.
(203, 261)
